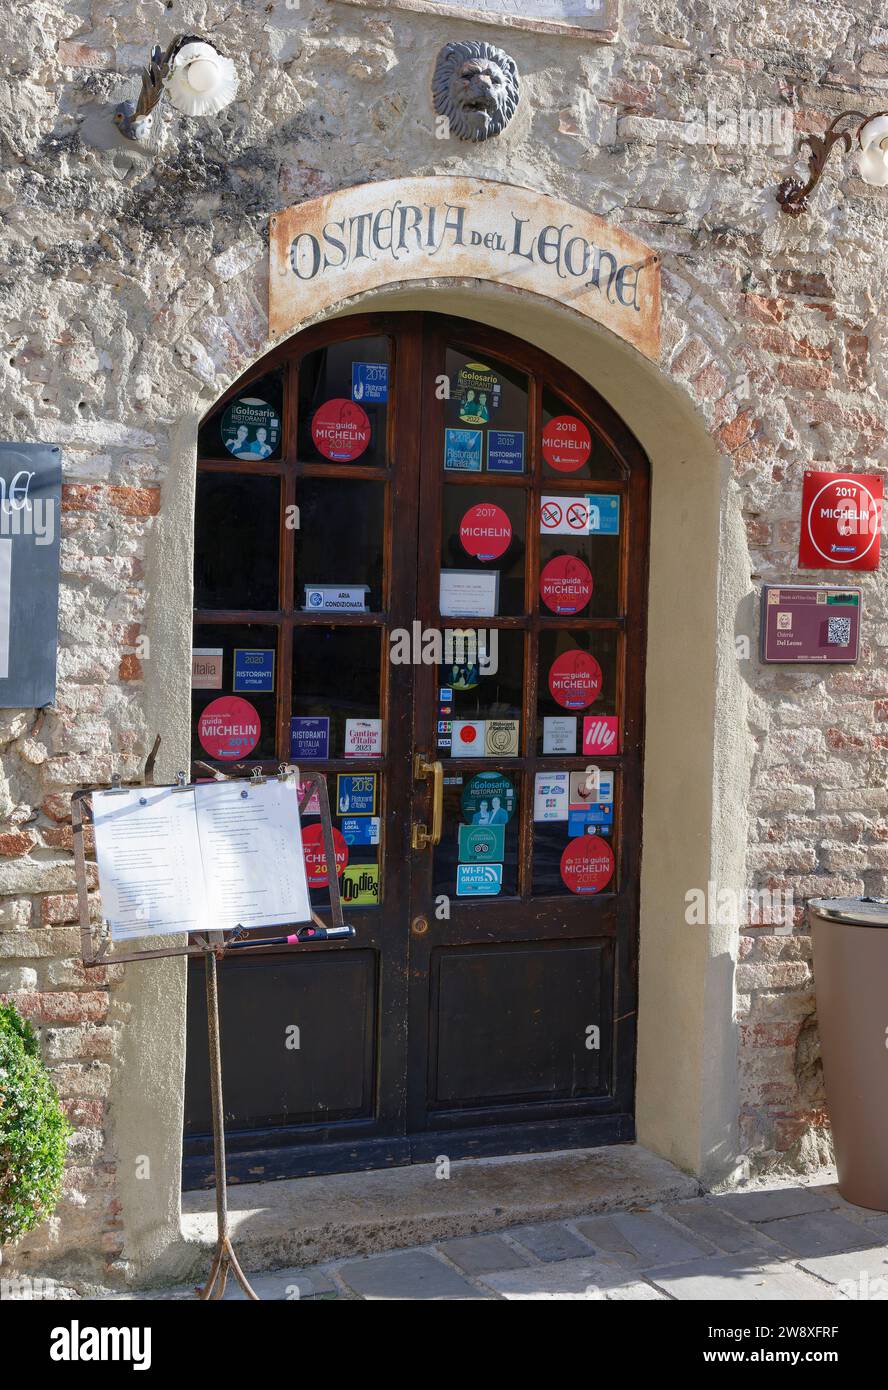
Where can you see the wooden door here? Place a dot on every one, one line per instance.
(422, 485)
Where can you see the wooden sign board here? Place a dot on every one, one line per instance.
(594, 19)
(330, 249)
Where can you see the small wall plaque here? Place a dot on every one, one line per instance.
(810, 622)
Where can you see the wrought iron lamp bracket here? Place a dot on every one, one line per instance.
(792, 193)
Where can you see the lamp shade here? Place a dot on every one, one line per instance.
(201, 81)
(872, 161)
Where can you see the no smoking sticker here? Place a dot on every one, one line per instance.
(587, 864)
(575, 679)
(341, 430)
(567, 444)
(316, 859)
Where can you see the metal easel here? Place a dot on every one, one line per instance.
(212, 946)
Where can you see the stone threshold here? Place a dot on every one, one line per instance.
(307, 1221)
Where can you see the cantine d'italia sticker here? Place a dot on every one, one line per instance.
(341, 430)
(316, 859)
(575, 679)
(229, 728)
(587, 864)
(485, 531)
(566, 584)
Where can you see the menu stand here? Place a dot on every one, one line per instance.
(212, 946)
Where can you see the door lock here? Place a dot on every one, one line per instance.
(419, 926)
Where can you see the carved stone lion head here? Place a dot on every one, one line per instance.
(476, 87)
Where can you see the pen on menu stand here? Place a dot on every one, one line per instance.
(297, 938)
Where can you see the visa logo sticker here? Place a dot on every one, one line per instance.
(478, 880)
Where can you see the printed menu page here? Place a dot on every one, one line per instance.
(252, 854)
(202, 859)
(149, 859)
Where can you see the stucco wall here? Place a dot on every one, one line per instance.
(133, 292)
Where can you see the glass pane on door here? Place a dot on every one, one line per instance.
(343, 403)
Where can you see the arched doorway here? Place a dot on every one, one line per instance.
(369, 486)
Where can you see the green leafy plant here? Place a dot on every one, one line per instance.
(33, 1130)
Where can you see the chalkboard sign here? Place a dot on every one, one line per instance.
(30, 506)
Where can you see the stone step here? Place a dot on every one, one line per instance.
(306, 1221)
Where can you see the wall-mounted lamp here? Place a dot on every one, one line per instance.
(197, 78)
(871, 135)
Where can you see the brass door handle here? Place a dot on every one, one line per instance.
(422, 837)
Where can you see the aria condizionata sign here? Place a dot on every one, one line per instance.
(330, 249)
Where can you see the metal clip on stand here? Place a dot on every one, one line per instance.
(212, 950)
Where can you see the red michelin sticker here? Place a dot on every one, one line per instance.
(841, 521)
(575, 679)
(587, 864)
(566, 584)
(229, 728)
(485, 531)
(316, 859)
(341, 430)
(567, 443)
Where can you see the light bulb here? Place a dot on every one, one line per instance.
(202, 75)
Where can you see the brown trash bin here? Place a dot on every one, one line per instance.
(850, 937)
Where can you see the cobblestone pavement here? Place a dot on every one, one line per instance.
(796, 1243)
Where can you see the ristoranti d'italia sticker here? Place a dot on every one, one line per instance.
(575, 679)
(587, 864)
(229, 728)
(341, 430)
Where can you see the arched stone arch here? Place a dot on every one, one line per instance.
(696, 764)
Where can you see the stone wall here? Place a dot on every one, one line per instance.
(132, 291)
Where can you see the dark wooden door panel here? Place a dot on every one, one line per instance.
(511, 1023)
(273, 1074)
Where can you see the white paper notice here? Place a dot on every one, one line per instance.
(252, 854)
(560, 733)
(149, 861)
(469, 593)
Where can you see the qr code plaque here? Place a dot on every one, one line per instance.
(838, 632)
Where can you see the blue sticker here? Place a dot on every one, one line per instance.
(445, 694)
(310, 738)
(604, 514)
(356, 794)
(478, 880)
(505, 451)
(463, 450)
(592, 820)
(370, 382)
(360, 830)
(253, 669)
